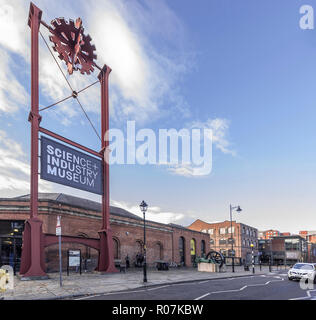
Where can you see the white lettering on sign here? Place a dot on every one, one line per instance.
(64, 164)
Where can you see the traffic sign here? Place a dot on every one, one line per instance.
(58, 227)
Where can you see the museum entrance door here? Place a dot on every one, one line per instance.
(11, 243)
(10, 252)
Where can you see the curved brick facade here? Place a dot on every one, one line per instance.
(80, 217)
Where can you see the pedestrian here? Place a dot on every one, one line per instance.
(127, 261)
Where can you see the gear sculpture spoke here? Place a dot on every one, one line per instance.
(73, 46)
(216, 257)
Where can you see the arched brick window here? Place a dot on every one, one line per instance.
(158, 251)
(182, 250)
(193, 247)
(193, 250)
(116, 248)
(203, 248)
(139, 246)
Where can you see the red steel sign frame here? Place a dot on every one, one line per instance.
(34, 240)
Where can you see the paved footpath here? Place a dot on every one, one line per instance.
(76, 285)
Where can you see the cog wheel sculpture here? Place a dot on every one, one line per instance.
(73, 45)
(216, 257)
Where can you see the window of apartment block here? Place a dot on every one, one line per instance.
(204, 231)
(222, 241)
(231, 240)
(211, 231)
(211, 241)
(231, 230)
(292, 244)
(230, 253)
(222, 230)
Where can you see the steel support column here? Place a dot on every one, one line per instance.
(32, 260)
(106, 255)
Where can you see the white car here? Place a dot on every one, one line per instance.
(302, 270)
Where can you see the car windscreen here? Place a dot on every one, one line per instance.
(303, 266)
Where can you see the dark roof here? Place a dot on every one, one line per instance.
(89, 205)
(178, 226)
(290, 236)
(79, 202)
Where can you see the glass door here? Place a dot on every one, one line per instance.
(10, 252)
(17, 254)
(7, 251)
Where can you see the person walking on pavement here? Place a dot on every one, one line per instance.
(127, 261)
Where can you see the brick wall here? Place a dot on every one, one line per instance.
(162, 240)
(243, 236)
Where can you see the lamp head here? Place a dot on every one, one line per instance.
(143, 206)
(238, 209)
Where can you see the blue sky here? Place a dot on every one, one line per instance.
(246, 64)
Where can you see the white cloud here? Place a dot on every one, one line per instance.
(14, 169)
(12, 93)
(153, 213)
(144, 76)
(218, 135)
(13, 24)
(186, 170)
(219, 129)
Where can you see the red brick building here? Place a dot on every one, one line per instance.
(285, 234)
(82, 218)
(268, 234)
(310, 236)
(220, 235)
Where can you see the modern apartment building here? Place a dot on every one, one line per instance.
(284, 250)
(310, 236)
(268, 234)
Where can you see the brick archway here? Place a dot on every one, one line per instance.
(50, 239)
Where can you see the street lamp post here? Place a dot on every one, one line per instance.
(238, 209)
(143, 207)
(270, 260)
(252, 259)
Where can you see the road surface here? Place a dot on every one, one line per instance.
(272, 286)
